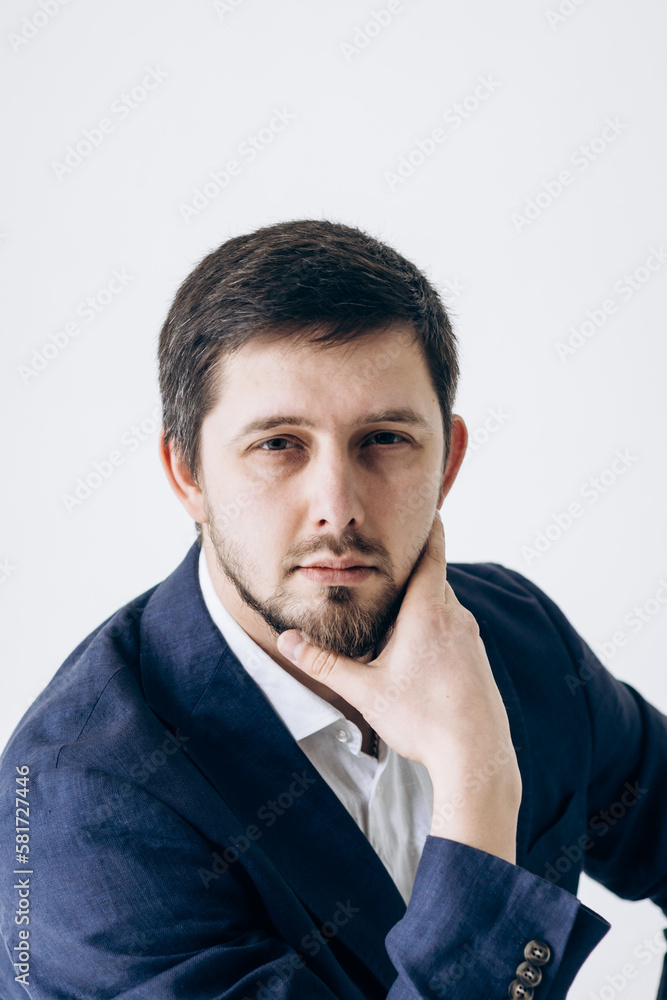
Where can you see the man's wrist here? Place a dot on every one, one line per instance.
(486, 819)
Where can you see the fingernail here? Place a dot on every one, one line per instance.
(289, 644)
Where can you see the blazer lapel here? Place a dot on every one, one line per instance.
(194, 682)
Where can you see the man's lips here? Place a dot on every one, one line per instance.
(328, 563)
(347, 574)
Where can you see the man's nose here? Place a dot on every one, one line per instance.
(333, 493)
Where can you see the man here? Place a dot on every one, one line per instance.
(316, 762)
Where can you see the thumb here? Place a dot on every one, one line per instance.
(336, 671)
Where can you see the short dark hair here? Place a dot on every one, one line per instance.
(307, 278)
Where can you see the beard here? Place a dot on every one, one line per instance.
(340, 622)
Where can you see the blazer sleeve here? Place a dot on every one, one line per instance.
(626, 847)
(469, 920)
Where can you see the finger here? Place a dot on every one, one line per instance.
(437, 551)
(345, 676)
(428, 581)
(450, 596)
(436, 541)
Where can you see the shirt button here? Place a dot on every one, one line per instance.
(379, 788)
(342, 735)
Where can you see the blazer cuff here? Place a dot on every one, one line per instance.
(470, 917)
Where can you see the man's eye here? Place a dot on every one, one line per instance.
(386, 434)
(275, 444)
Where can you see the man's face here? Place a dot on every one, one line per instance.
(320, 456)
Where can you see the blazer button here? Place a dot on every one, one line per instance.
(529, 974)
(537, 952)
(518, 991)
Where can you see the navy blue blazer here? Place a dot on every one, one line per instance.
(180, 843)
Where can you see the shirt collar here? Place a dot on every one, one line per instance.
(302, 711)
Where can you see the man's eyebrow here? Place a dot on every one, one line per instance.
(404, 415)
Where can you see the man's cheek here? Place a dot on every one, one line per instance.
(417, 499)
(259, 483)
(230, 510)
(248, 495)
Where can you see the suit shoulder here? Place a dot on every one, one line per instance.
(60, 712)
(524, 622)
(489, 581)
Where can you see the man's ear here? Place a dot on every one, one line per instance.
(180, 479)
(457, 449)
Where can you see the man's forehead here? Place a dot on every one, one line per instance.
(377, 377)
(377, 362)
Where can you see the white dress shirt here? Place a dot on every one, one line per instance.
(390, 798)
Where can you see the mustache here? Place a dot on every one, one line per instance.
(349, 543)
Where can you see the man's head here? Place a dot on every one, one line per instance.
(308, 374)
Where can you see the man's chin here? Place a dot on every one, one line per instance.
(340, 640)
(354, 631)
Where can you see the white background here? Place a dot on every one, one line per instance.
(521, 287)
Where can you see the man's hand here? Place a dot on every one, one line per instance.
(431, 695)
